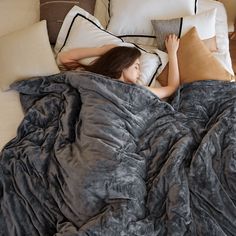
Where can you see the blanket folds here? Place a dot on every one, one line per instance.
(96, 156)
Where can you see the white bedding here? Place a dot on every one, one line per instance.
(222, 39)
(12, 114)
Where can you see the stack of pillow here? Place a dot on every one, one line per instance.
(26, 53)
(80, 29)
(145, 24)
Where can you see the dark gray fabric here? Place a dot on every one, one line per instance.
(95, 156)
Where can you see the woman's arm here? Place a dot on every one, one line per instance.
(73, 55)
(172, 45)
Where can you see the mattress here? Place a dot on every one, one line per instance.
(11, 111)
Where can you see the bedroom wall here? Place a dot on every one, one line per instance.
(17, 14)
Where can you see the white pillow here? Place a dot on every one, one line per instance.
(26, 53)
(132, 18)
(84, 30)
(204, 23)
(222, 39)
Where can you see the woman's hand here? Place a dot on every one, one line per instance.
(172, 44)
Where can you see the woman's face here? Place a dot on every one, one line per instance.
(132, 73)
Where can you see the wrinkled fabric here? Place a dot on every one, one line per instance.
(96, 156)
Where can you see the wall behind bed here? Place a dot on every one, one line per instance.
(17, 14)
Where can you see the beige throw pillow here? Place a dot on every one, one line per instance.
(17, 14)
(25, 54)
(196, 62)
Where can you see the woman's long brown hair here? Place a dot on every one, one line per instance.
(113, 62)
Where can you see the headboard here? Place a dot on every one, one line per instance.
(54, 11)
(88, 5)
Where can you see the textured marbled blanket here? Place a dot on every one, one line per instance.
(95, 156)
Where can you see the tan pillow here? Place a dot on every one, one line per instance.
(25, 54)
(196, 62)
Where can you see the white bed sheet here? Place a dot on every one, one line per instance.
(11, 112)
(10, 116)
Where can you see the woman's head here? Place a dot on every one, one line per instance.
(119, 63)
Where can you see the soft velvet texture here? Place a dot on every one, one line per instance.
(96, 156)
(196, 62)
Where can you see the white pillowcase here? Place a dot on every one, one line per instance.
(80, 29)
(222, 39)
(131, 19)
(26, 53)
(204, 23)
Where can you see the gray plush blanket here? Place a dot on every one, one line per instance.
(95, 156)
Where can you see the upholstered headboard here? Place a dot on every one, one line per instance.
(88, 5)
(54, 11)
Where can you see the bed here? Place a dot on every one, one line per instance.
(86, 155)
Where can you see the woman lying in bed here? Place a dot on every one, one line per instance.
(122, 63)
